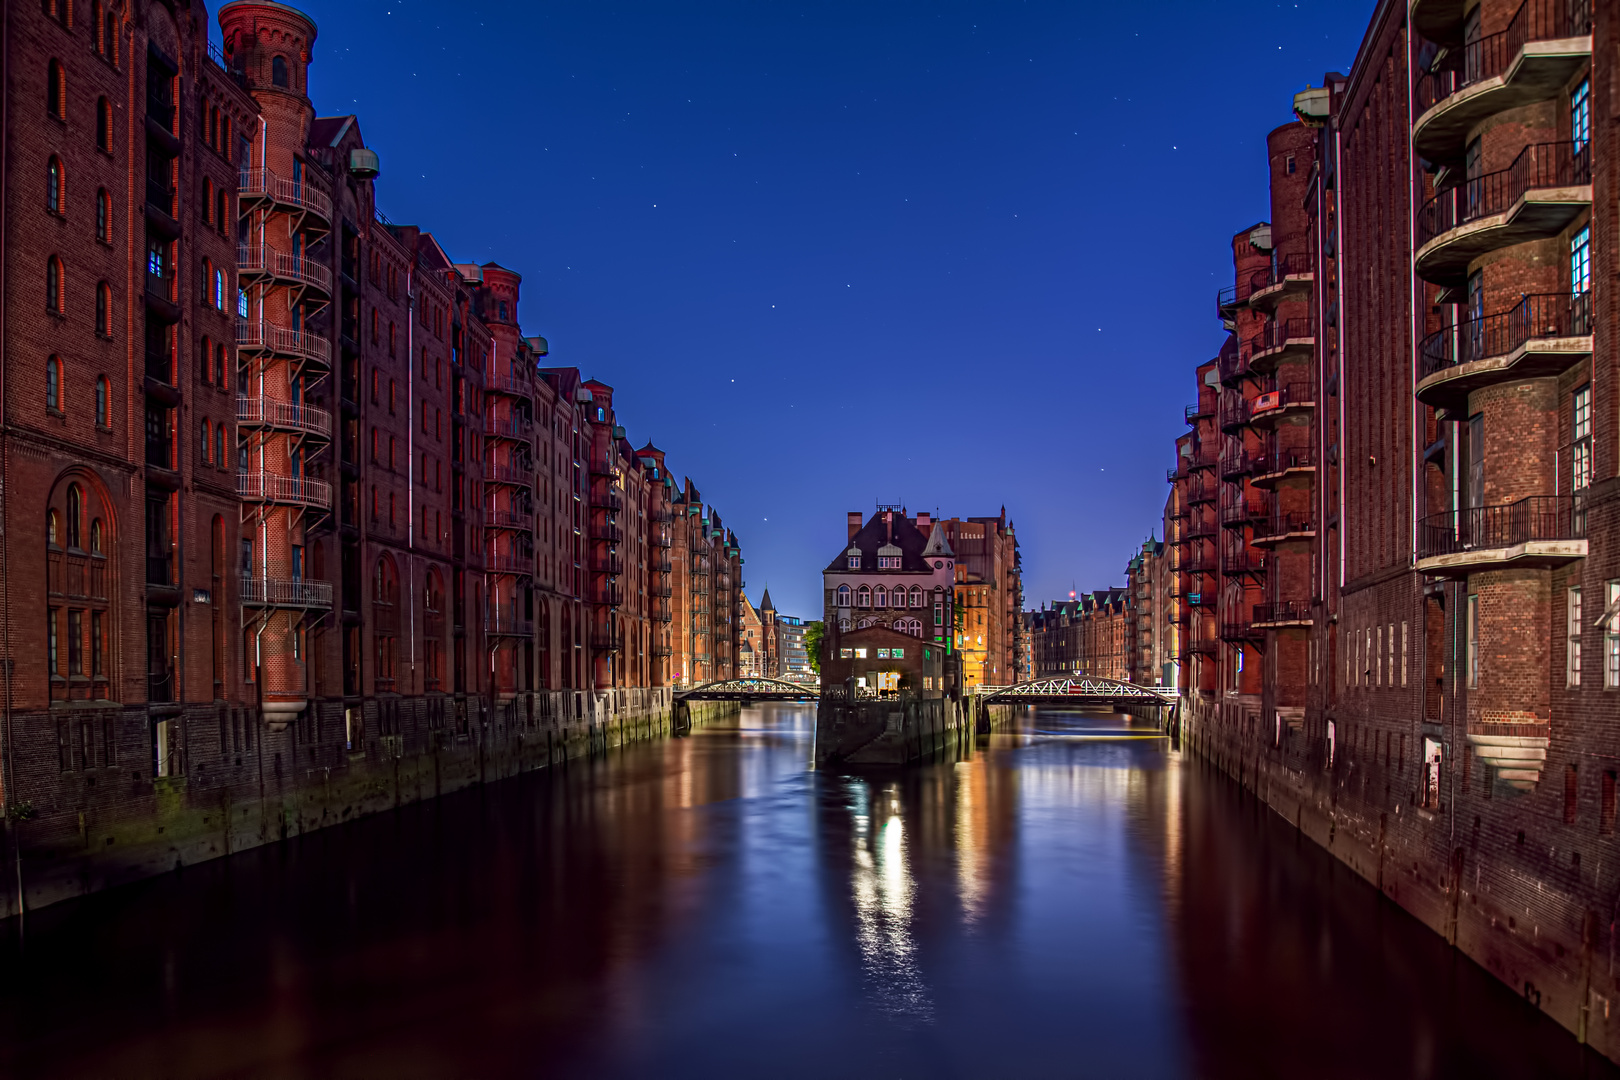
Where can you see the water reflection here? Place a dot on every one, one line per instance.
(1073, 899)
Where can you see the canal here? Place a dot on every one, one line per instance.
(1075, 898)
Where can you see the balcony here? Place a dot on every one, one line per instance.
(304, 276)
(1200, 560)
(1241, 562)
(266, 339)
(1283, 529)
(1232, 366)
(1201, 598)
(1239, 514)
(1200, 527)
(1537, 531)
(607, 564)
(1281, 614)
(1199, 411)
(285, 593)
(1234, 464)
(607, 498)
(1202, 488)
(1290, 404)
(1237, 628)
(1281, 340)
(611, 596)
(605, 640)
(1272, 467)
(607, 531)
(1234, 412)
(1546, 188)
(508, 624)
(297, 197)
(518, 475)
(263, 487)
(1540, 335)
(522, 520)
(1227, 302)
(1290, 277)
(1532, 60)
(262, 413)
(510, 427)
(512, 384)
(1517, 752)
(508, 562)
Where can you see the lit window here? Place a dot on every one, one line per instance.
(844, 654)
(53, 187)
(1580, 457)
(1572, 648)
(1611, 641)
(860, 654)
(898, 654)
(1580, 261)
(883, 654)
(1580, 116)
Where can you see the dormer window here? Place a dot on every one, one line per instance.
(889, 562)
(854, 560)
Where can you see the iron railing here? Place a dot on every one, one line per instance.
(269, 487)
(262, 183)
(1272, 461)
(1539, 165)
(1488, 57)
(1281, 525)
(1536, 517)
(257, 412)
(261, 259)
(1283, 267)
(1539, 315)
(1278, 333)
(1283, 611)
(285, 592)
(265, 337)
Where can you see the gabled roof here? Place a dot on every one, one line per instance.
(329, 130)
(897, 531)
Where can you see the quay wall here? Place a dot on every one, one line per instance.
(245, 784)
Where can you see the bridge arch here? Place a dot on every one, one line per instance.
(751, 688)
(1077, 688)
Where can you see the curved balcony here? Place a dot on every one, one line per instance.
(1282, 529)
(1272, 467)
(309, 204)
(1542, 48)
(1283, 613)
(260, 338)
(1227, 302)
(262, 413)
(515, 475)
(1234, 464)
(263, 487)
(1198, 411)
(508, 562)
(1281, 340)
(1546, 188)
(1290, 277)
(305, 277)
(521, 520)
(1232, 366)
(1290, 404)
(508, 624)
(1234, 415)
(1540, 335)
(1202, 488)
(1536, 531)
(510, 427)
(1239, 514)
(285, 593)
(510, 384)
(1201, 527)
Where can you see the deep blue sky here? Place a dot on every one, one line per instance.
(961, 255)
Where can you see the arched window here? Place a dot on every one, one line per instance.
(53, 286)
(97, 541)
(55, 187)
(219, 445)
(843, 596)
(104, 314)
(880, 597)
(104, 125)
(207, 443)
(97, 27)
(53, 528)
(219, 290)
(103, 406)
(75, 514)
(104, 216)
(56, 91)
(208, 280)
(909, 626)
(109, 37)
(278, 72)
(53, 383)
(863, 597)
(916, 597)
(208, 202)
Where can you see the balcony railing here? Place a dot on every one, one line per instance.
(507, 562)
(1227, 301)
(509, 519)
(261, 260)
(605, 641)
(257, 184)
(508, 624)
(264, 337)
(1294, 264)
(1540, 165)
(1543, 315)
(1198, 411)
(1201, 526)
(1283, 611)
(263, 412)
(1509, 525)
(295, 490)
(606, 498)
(507, 474)
(1235, 562)
(283, 592)
(1279, 334)
(1274, 462)
(1282, 526)
(510, 427)
(1488, 57)
(510, 383)
(607, 564)
(1234, 411)
(160, 570)
(607, 531)
(1241, 512)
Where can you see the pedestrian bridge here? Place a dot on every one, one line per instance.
(1075, 690)
(750, 690)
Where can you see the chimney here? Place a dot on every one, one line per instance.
(854, 523)
(924, 521)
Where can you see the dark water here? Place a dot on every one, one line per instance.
(1074, 900)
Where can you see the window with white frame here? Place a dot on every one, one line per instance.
(863, 597)
(880, 597)
(843, 596)
(854, 560)
(1580, 456)
(1472, 631)
(889, 562)
(1572, 633)
(1580, 262)
(1611, 640)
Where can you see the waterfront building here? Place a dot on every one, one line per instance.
(895, 577)
(1087, 635)
(1393, 515)
(309, 502)
(989, 597)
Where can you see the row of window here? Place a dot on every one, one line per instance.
(103, 25)
(56, 398)
(1572, 646)
(859, 653)
(881, 597)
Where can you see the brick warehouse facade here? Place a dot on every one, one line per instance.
(1392, 518)
(437, 561)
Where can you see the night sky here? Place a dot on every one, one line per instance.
(956, 255)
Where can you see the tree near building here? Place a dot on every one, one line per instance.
(813, 633)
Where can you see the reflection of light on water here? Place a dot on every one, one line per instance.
(884, 892)
(971, 841)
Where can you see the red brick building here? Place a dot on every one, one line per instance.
(436, 560)
(1393, 516)
(1093, 634)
